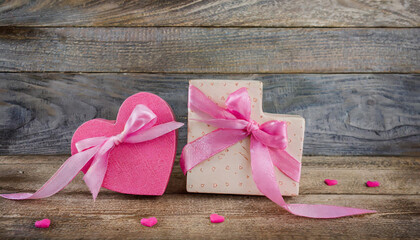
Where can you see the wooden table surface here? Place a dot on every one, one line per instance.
(349, 67)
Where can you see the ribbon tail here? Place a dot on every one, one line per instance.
(208, 145)
(325, 211)
(64, 175)
(94, 177)
(286, 163)
(265, 179)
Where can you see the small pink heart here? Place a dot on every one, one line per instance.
(44, 223)
(373, 184)
(216, 218)
(330, 182)
(135, 168)
(148, 222)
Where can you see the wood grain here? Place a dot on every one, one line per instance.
(346, 114)
(210, 50)
(75, 215)
(267, 13)
(398, 175)
(350, 67)
(185, 216)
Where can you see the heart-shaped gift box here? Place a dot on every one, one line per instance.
(133, 154)
(134, 168)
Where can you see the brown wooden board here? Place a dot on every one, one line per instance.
(346, 114)
(184, 216)
(210, 50)
(113, 215)
(267, 13)
(398, 175)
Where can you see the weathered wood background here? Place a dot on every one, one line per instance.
(350, 67)
(242, 13)
(346, 114)
(210, 50)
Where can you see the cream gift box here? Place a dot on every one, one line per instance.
(229, 171)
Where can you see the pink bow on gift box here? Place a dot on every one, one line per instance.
(267, 148)
(140, 127)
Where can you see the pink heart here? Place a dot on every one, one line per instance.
(135, 168)
(216, 218)
(330, 182)
(44, 223)
(148, 222)
(373, 184)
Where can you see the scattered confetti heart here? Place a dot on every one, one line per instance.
(44, 223)
(373, 184)
(148, 222)
(216, 218)
(330, 182)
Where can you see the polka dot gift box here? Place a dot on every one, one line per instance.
(235, 148)
(229, 171)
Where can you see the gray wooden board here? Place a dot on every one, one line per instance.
(210, 50)
(346, 114)
(267, 13)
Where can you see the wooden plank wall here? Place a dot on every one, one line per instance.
(219, 13)
(346, 114)
(210, 50)
(351, 68)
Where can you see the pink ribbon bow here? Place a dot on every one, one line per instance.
(267, 147)
(140, 127)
